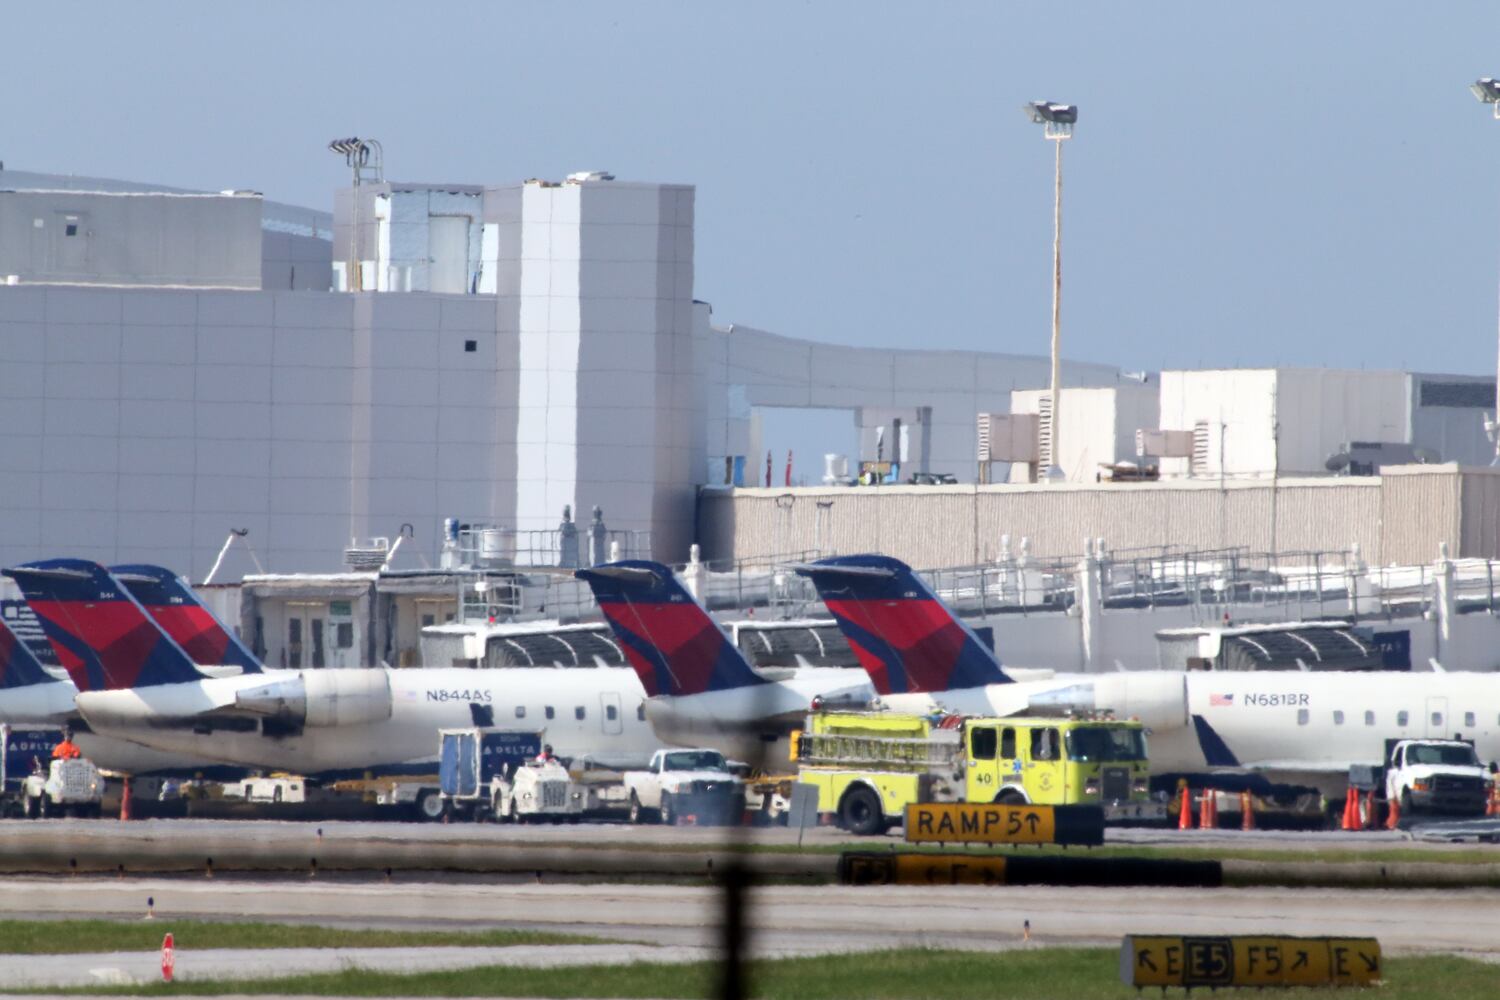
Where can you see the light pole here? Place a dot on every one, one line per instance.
(1057, 121)
(1487, 89)
(356, 153)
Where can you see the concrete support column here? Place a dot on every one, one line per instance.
(694, 575)
(1444, 599)
(1091, 608)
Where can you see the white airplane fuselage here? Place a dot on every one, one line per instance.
(1302, 726)
(601, 713)
(52, 703)
(590, 711)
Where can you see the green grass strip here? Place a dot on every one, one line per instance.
(908, 974)
(66, 937)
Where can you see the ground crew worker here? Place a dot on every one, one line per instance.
(67, 749)
(546, 755)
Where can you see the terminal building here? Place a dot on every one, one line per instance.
(175, 365)
(512, 351)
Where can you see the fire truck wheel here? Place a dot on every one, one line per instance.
(860, 812)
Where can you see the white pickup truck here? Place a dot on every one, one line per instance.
(1436, 776)
(685, 783)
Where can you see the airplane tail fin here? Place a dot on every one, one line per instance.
(904, 635)
(667, 636)
(19, 666)
(179, 612)
(102, 636)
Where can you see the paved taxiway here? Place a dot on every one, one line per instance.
(793, 918)
(191, 832)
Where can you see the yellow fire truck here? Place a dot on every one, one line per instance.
(868, 766)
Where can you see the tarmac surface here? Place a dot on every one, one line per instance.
(679, 922)
(191, 831)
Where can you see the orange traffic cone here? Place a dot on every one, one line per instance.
(1185, 814)
(1368, 817)
(1351, 810)
(1494, 807)
(1393, 817)
(1247, 811)
(125, 800)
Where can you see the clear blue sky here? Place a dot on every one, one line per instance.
(1270, 183)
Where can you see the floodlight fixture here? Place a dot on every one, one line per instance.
(1487, 89)
(1057, 120)
(357, 154)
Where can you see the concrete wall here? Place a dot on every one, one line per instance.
(1097, 427)
(1399, 517)
(1291, 420)
(137, 238)
(754, 368)
(293, 262)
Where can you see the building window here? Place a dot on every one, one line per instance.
(520, 711)
(1401, 718)
(470, 346)
(70, 226)
(579, 713)
(550, 712)
(1302, 716)
(1369, 717)
(1338, 717)
(344, 635)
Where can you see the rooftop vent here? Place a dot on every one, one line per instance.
(583, 176)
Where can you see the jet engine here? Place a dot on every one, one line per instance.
(322, 698)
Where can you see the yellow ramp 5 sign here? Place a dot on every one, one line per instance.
(962, 822)
(1248, 961)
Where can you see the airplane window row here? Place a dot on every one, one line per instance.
(611, 712)
(1403, 718)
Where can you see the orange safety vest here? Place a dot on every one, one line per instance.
(66, 750)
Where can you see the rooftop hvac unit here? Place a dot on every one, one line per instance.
(1164, 444)
(1008, 437)
(1198, 464)
(1364, 458)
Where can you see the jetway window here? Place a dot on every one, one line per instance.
(1402, 717)
(1469, 720)
(982, 744)
(1369, 718)
(1338, 718)
(1302, 716)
